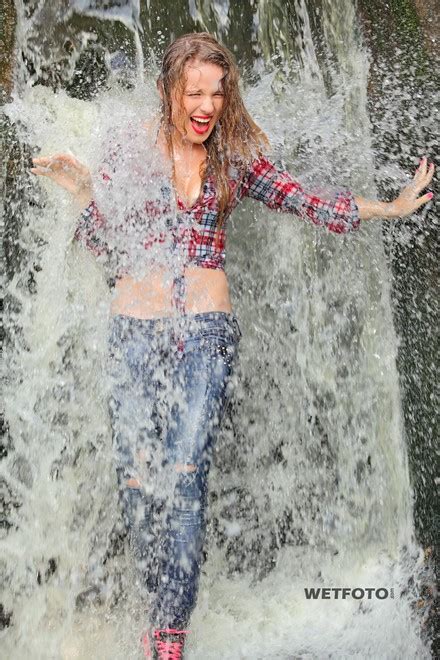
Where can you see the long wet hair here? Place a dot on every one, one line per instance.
(236, 139)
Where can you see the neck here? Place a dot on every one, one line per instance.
(188, 150)
(182, 150)
(183, 146)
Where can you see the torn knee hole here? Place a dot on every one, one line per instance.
(142, 457)
(133, 483)
(181, 467)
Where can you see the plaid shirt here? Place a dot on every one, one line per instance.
(196, 228)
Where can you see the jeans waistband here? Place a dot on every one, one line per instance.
(169, 323)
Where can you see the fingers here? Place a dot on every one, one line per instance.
(62, 168)
(41, 166)
(58, 157)
(423, 200)
(421, 170)
(423, 175)
(41, 171)
(50, 161)
(58, 160)
(44, 167)
(429, 175)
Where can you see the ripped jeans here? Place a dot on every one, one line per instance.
(166, 406)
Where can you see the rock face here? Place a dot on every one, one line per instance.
(404, 41)
(7, 49)
(428, 12)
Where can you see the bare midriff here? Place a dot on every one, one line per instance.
(151, 297)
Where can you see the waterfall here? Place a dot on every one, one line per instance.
(310, 486)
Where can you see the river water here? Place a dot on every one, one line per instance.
(310, 486)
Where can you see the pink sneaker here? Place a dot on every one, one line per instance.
(167, 644)
(146, 645)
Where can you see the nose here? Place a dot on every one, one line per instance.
(207, 106)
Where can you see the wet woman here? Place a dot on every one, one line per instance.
(173, 337)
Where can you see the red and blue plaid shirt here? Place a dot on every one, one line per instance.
(200, 234)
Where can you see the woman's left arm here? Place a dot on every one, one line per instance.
(406, 203)
(340, 213)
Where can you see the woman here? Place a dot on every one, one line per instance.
(173, 340)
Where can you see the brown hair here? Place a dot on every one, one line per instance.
(236, 138)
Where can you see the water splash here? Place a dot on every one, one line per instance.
(311, 481)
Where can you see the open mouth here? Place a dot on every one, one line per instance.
(200, 124)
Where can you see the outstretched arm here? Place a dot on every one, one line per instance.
(68, 172)
(73, 176)
(340, 213)
(406, 203)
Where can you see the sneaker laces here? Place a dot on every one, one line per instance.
(169, 643)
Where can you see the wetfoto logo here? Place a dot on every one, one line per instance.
(318, 593)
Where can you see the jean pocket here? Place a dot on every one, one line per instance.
(222, 336)
(218, 346)
(225, 331)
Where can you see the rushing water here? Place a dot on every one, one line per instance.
(310, 486)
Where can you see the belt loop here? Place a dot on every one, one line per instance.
(237, 327)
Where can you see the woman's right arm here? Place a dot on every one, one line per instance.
(73, 176)
(67, 172)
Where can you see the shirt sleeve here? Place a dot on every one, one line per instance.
(278, 190)
(91, 227)
(90, 230)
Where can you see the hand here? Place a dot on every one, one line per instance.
(68, 173)
(409, 201)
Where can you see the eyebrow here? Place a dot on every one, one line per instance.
(201, 90)
(193, 89)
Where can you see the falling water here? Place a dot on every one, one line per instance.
(310, 486)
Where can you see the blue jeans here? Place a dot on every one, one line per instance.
(166, 403)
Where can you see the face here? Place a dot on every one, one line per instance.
(202, 101)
